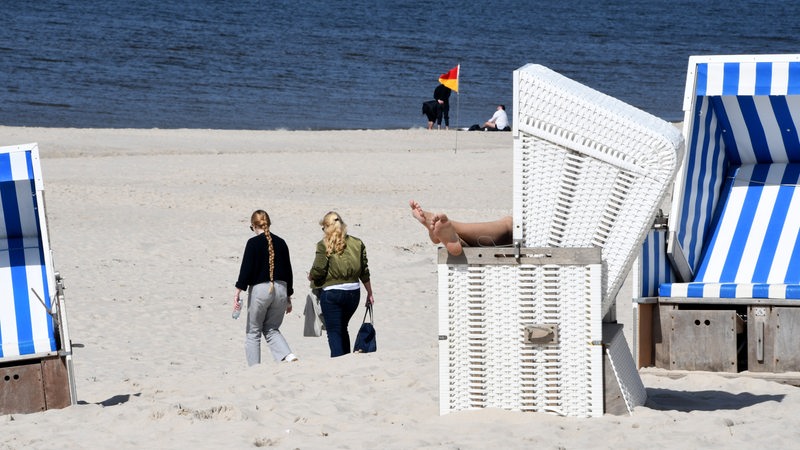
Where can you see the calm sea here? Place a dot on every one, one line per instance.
(251, 64)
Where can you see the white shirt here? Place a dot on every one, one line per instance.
(500, 119)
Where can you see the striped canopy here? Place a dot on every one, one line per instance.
(731, 214)
(27, 280)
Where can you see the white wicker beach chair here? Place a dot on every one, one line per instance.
(733, 230)
(522, 328)
(35, 350)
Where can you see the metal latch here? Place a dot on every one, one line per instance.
(541, 334)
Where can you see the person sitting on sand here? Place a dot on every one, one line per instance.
(499, 120)
(455, 235)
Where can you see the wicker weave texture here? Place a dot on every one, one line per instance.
(624, 368)
(483, 356)
(589, 170)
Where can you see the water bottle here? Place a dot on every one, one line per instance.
(236, 312)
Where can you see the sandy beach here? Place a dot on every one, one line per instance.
(148, 228)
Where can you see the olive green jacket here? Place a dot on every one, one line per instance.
(350, 266)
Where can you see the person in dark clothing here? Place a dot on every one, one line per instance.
(430, 109)
(442, 95)
(267, 271)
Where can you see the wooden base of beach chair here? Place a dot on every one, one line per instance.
(772, 338)
(742, 335)
(698, 339)
(36, 385)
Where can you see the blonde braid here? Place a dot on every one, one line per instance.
(271, 261)
(260, 219)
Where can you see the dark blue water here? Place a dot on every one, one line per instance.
(250, 64)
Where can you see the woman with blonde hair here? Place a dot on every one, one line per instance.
(340, 263)
(267, 270)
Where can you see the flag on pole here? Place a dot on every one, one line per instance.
(450, 79)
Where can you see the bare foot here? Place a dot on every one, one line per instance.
(444, 231)
(425, 218)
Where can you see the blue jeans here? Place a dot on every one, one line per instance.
(338, 307)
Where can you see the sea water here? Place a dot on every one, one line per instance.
(313, 64)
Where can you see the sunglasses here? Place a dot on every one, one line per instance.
(335, 220)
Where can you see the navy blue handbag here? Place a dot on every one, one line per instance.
(365, 340)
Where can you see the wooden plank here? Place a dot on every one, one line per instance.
(703, 340)
(772, 344)
(760, 351)
(55, 379)
(645, 347)
(21, 389)
(786, 345)
(661, 327)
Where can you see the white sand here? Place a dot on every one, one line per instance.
(148, 227)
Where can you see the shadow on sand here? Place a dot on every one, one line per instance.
(686, 401)
(113, 401)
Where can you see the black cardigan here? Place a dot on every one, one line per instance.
(255, 263)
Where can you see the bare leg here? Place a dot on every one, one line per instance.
(456, 234)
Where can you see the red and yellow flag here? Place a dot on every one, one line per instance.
(450, 79)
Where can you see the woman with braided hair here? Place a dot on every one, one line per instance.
(267, 270)
(340, 263)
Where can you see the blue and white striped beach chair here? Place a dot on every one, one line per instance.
(733, 242)
(35, 351)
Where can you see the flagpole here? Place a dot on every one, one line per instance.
(446, 80)
(458, 110)
(458, 114)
